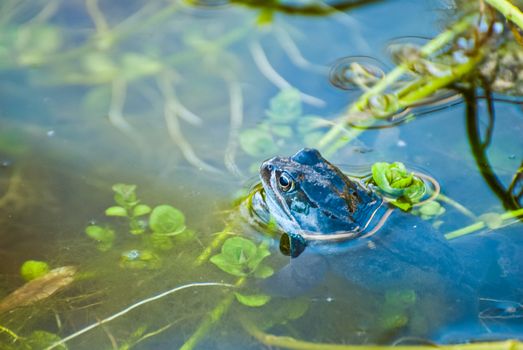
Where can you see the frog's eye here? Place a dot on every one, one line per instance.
(286, 182)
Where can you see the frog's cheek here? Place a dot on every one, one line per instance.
(299, 207)
(292, 245)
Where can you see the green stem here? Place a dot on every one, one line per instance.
(430, 48)
(481, 224)
(437, 83)
(215, 244)
(296, 344)
(10, 332)
(511, 12)
(215, 315)
(458, 206)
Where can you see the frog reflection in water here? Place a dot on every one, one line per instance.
(332, 223)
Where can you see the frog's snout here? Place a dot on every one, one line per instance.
(266, 168)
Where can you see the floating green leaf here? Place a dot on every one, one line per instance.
(32, 269)
(103, 235)
(241, 257)
(116, 211)
(255, 300)
(167, 220)
(125, 195)
(394, 180)
(141, 209)
(263, 271)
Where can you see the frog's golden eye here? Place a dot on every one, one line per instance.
(285, 182)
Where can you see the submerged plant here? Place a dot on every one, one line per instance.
(129, 207)
(284, 121)
(157, 228)
(241, 257)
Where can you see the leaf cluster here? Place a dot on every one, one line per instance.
(284, 120)
(157, 226)
(394, 180)
(241, 257)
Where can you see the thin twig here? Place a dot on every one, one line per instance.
(134, 306)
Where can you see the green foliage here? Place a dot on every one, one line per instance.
(284, 120)
(254, 300)
(156, 226)
(166, 220)
(394, 180)
(278, 311)
(139, 259)
(395, 309)
(429, 210)
(103, 235)
(492, 220)
(32, 269)
(41, 340)
(241, 257)
(257, 142)
(285, 107)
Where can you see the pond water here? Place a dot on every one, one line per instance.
(177, 99)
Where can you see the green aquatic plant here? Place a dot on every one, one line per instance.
(129, 207)
(41, 340)
(395, 309)
(156, 227)
(103, 235)
(32, 269)
(238, 257)
(284, 121)
(139, 259)
(241, 257)
(429, 210)
(394, 180)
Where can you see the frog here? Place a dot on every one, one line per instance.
(316, 206)
(333, 224)
(312, 200)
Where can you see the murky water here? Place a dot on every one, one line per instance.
(173, 98)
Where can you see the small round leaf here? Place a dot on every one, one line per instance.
(116, 211)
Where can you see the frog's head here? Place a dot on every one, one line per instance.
(308, 195)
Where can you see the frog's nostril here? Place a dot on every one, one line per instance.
(267, 167)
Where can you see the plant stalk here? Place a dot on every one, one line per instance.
(296, 344)
(334, 135)
(481, 224)
(215, 315)
(511, 12)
